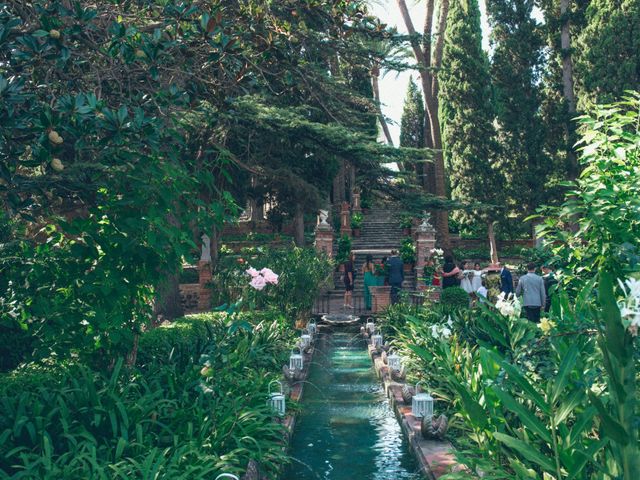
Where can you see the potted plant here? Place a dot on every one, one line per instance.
(344, 249)
(406, 221)
(408, 253)
(356, 223)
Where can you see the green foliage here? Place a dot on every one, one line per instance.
(344, 249)
(408, 250)
(412, 121)
(356, 220)
(608, 33)
(170, 419)
(454, 298)
(406, 220)
(466, 112)
(302, 274)
(604, 202)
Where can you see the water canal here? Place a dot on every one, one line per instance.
(346, 429)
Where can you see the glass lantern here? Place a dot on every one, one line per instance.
(394, 361)
(277, 400)
(376, 340)
(296, 361)
(421, 404)
(312, 328)
(305, 340)
(370, 326)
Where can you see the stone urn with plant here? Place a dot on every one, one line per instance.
(408, 254)
(356, 223)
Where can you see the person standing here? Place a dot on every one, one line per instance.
(549, 282)
(396, 275)
(531, 287)
(476, 280)
(467, 274)
(370, 280)
(349, 280)
(506, 281)
(450, 273)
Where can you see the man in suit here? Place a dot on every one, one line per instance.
(549, 283)
(395, 269)
(534, 298)
(506, 281)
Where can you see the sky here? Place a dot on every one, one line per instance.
(393, 86)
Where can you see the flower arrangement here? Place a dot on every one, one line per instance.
(434, 263)
(509, 305)
(379, 269)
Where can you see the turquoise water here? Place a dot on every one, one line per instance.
(346, 430)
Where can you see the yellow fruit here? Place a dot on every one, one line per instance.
(57, 165)
(140, 54)
(55, 138)
(54, 33)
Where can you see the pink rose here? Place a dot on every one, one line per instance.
(253, 272)
(258, 282)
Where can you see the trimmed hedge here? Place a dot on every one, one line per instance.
(454, 298)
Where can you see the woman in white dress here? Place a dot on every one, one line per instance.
(476, 280)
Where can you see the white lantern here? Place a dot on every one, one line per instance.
(227, 475)
(296, 361)
(276, 400)
(394, 362)
(422, 404)
(312, 328)
(305, 340)
(370, 326)
(376, 340)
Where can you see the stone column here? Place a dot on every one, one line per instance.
(204, 277)
(356, 202)
(345, 220)
(425, 242)
(324, 234)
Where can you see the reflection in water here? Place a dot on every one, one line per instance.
(346, 430)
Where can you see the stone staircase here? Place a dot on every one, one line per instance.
(380, 233)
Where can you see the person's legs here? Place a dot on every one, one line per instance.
(533, 314)
(367, 296)
(395, 293)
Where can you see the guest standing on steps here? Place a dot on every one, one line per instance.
(370, 280)
(349, 280)
(396, 275)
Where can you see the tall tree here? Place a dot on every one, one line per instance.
(517, 55)
(466, 114)
(427, 50)
(608, 59)
(412, 122)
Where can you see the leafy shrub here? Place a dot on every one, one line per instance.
(356, 220)
(344, 249)
(454, 298)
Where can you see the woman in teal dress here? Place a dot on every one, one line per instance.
(370, 280)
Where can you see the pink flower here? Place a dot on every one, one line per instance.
(269, 276)
(258, 282)
(253, 272)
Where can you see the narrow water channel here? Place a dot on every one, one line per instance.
(346, 430)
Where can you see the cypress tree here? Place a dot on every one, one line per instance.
(466, 112)
(412, 122)
(608, 53)
(517, 56)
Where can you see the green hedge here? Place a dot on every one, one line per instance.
(454, 298)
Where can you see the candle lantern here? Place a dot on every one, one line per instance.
(276, 399)
(376, 340)
(312, 328)
(421, 404)
(370, 326)
(227, 475)
(394, 361)
(305, 340)
(296, 361)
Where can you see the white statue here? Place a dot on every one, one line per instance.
(425, 225)
(206, 248)
(323, 214)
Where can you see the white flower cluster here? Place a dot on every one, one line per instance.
(442, 332)
(509, 306)
(630, 305)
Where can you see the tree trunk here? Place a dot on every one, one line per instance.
(493, 245)
(298, 226)
(375, 74)
(434, 179)
(567, 85)
(215, 246)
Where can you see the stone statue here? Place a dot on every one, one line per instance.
(323, 215)
(425, 225)
(206, 248)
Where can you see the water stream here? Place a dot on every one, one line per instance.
(346, 429)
